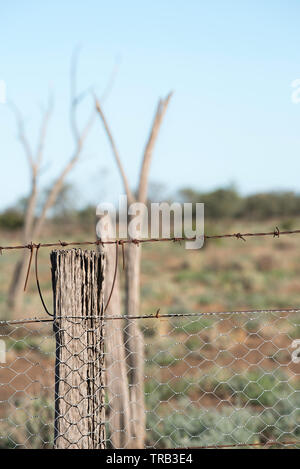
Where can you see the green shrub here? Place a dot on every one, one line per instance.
(11, 219)
(30, 425)
(188, 426)
(192, 325)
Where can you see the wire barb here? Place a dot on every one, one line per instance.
(63, 243)
(157, 315)
(240, 236)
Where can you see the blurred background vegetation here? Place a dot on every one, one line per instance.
(220, 204)
(194, 394)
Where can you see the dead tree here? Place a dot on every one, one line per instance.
(33, 225)
(118, 408)
(134, 348)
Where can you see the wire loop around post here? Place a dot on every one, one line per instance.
(38, 283)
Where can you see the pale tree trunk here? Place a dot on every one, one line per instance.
(32, 231)
(115, 358)
(134, 337)
(15, 293)
(33, 226)
(30, 212)
(135, 346)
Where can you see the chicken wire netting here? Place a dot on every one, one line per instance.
(208, 380)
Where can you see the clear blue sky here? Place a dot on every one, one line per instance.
(230, 64)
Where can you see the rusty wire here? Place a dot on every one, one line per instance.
(121, 242)
(114, 278)
(16, 429)
(156, 315)
(29, 265)
(38, 282)
(276, 233)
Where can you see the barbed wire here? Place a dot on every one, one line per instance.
(121, 242)
(276, 233)
(157, 315)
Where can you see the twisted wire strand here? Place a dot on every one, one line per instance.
(276, 233)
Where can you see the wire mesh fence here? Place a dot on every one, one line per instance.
(208, 381)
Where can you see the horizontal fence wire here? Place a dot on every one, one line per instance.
(209, 382)
(157, 315)
(218, 379)
(122, 242)
(276, 233)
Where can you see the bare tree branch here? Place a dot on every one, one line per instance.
(32, 227)
(34, 162)
(21, 133)
(30, 212)
(74, 98)
(128, 191)
(144, 174)
(52, 196)
(111, 81)
(86, 129)
(43, 131)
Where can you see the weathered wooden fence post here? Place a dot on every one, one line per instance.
(77, 279)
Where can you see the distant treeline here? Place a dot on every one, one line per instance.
(13, 218)
(228, 203)
(219, 204)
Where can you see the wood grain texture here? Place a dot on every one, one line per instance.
(77, 278)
